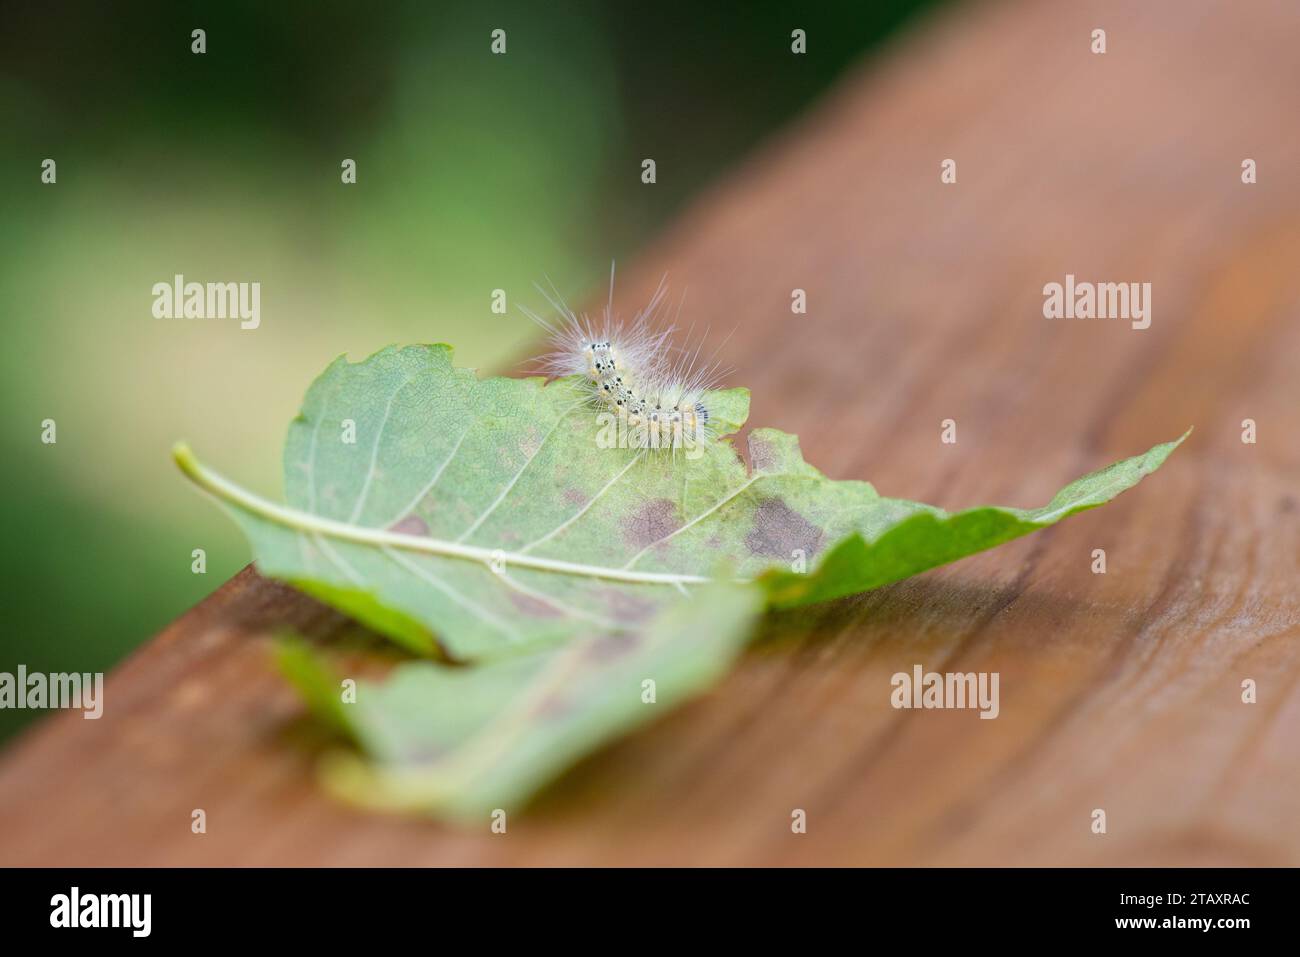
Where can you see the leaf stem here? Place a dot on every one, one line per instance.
(221, 487)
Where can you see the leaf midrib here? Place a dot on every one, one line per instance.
(298, 520)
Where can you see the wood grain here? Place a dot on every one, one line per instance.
(1119, 691)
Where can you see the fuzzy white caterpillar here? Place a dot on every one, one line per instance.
(654, 390)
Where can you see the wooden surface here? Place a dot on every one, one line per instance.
(1119, 691)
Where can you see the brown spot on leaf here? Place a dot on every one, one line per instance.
(613, 647)
(552, 707)
(411, 525)
(650, 522)
(761, 454)
(627, 608)
(779, 530)
(533, 607)
(574, 496)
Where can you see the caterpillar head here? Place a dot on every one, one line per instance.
(602, 362)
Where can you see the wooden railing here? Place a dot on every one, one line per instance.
(1120, 691)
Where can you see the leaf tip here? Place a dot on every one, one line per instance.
(184, 458)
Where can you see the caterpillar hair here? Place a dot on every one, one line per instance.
(630, 369)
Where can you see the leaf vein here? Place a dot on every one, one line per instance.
(468, 604)
(696, 520)
(583, 511)
(374, 450)
(523, 468)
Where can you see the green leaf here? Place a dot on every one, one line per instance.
(912, 537)
(463, 742)
(482, 520)
(480, 516)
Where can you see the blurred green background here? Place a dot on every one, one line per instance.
(474, 172)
